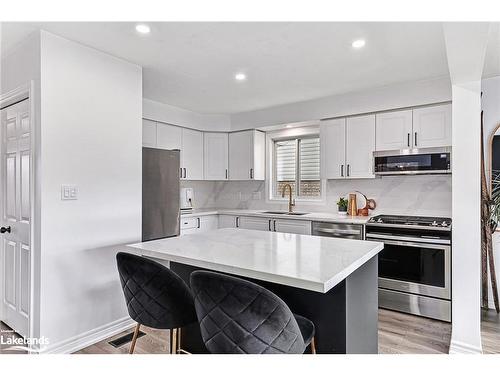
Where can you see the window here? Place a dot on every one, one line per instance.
(297, 162)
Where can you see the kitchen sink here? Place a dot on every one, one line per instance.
(285, 213)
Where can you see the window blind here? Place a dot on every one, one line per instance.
(309, 159)
(286, 160)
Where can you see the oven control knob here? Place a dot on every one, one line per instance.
(434, 223)
(379, 220)
(444, 224)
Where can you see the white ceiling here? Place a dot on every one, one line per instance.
(192, 65)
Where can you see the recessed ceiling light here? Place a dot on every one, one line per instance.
(358, 43)
(143, 29)
(288, 125)
(240, 76)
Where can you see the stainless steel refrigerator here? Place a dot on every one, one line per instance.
(160, 193)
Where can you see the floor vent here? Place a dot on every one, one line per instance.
(124, 339)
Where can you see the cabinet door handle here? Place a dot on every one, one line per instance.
(185, 172)
(226, 174)
(251, 173)
(269, 225)
(415, 138)
(237, 221)
(348, 170)
(274, 225)
(199, 223)
(342, 170)
(408, 142)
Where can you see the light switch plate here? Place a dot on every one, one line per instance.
(69, 192)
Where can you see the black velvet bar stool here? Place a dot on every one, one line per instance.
(156, 297)
(240, 317)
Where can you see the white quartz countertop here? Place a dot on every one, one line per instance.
(311, 216)
(302, 261)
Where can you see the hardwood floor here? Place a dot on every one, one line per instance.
(398, 334)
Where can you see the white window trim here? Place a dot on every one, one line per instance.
(284, 134)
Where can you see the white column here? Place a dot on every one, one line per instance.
(466, 206)
(465, 48)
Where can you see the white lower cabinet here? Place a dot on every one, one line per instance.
(275, 225)
(227, 221)
(255, 223)
(199, 224)
(291, 226)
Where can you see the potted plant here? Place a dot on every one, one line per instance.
(342, 205)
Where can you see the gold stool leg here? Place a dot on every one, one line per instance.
(179, 334)
(173, 341)
(134, 339)
(313, 345)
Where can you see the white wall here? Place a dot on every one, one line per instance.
(91, 107)
(379, 99)
(491, 117)
(169, 114)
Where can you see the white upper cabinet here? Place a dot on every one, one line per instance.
(148, 133)
(168, 137)
(247, 155)
(216, 150)
(332, 138)
(360, 144)
(432, 126)
(393, 130)
(192, 154)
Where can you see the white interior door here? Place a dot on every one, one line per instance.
(15, 215)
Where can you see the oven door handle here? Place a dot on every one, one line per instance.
(391, 240)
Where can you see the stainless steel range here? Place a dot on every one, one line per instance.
(415, 265)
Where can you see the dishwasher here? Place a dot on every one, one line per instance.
(338, 230)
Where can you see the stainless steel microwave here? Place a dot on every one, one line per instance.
(435, 160)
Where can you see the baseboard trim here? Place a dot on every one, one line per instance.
(90, 337)
(457, 347)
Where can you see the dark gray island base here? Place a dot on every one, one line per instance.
(346, 317)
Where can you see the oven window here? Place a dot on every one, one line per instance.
(419, 265)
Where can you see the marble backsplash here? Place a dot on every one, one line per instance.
(425, 195)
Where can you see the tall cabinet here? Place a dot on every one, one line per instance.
(347, 147)
(247, 155)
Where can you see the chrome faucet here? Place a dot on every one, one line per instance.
(290, 202)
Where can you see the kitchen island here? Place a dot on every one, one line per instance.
(331, 281)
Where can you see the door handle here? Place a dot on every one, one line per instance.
(185, 172)
(342, 170)
(199, 223)
(269, 225)
(415, 138)
(274, 225)
(5, 229)
(408, 142)
(251, 173)
(226, 174)
(348, 170)
(237, 221)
